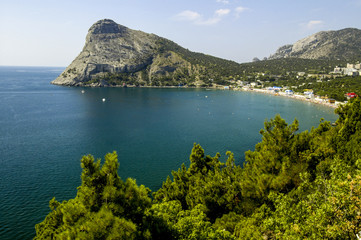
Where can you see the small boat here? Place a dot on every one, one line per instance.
(103, 99)
(82, 91)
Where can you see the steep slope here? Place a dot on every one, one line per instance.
(343, 44)
(116, 55)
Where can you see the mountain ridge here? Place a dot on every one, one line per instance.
(115, 55)
(344, 44)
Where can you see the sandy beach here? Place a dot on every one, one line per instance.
(315, 100)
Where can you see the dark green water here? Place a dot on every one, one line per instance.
(46, 129)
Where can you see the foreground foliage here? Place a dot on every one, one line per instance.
(292, 186)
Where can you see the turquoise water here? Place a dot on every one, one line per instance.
(46, 129)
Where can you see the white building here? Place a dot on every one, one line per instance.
(351, 72)
(337, 70)
(350, 65)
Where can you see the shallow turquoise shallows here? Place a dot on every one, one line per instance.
(46, 129)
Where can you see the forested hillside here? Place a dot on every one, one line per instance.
(284, 65)
(293, 185)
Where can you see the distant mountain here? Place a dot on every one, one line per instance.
(343, 44)
(115, 55)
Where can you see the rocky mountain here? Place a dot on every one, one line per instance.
(343, 44)
(115, 55)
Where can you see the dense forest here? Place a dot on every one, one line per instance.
(293, 185)
(284, 65)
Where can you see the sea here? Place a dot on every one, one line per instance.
(46, 129)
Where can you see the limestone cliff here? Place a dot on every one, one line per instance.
(109, 48)
(343, 44)
(116, 55)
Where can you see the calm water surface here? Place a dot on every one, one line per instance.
(46, 129)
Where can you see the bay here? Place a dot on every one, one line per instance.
(46, 129)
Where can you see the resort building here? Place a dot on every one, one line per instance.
(351, 95)
(350, 70)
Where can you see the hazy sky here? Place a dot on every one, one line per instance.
(52, 32)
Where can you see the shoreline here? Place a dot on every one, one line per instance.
(299, 97)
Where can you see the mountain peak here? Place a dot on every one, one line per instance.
(114, 55)
(342, 44)
(106, 26)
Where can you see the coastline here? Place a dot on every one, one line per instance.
(315, 100)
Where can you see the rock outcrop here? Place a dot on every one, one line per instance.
(343, 44)
(109, 48)
(116, 55)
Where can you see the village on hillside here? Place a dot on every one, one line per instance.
(351, 70)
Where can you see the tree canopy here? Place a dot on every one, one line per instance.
(293, 185)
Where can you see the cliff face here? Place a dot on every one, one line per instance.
(109, 48)
(116, 55)
(343, 44)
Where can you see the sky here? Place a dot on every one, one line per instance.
(52, 32)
